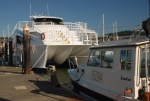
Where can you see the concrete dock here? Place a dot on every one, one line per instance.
(15, 86)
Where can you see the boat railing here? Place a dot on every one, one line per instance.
(134, 37)
(82, 31)
(76, 26)
(79, 27)
(71, 26)
(22, 23)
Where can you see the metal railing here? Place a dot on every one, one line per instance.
(79, 27)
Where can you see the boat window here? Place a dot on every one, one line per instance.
(94, 59)
(145, 56)
(19, 41)
(50, 20)
(106, 59)
(125, 59)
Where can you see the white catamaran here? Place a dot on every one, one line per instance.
(116, 70)
(53, 39)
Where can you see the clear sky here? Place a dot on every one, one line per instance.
(124, 12)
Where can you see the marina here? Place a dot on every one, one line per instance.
(45, 58)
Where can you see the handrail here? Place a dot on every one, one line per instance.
(79, 27)
(14, 29)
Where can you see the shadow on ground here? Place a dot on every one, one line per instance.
(48, 89)
(2, 99)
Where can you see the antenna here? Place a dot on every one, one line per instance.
(47, 10)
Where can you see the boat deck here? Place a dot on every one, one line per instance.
(16, 86)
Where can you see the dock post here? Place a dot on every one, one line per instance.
(26, 49)
(6, 54)
(10, 53)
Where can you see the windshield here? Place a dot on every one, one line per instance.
(145, 61)
(53, 20)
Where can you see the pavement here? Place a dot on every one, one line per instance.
(15, 86)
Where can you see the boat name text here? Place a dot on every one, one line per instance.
(127, 79)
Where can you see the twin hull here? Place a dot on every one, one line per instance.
(58, 53)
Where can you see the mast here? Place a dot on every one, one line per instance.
(47, 10)
(30, 11)
(149, 8)
(113, 28)
(116, 30)
(103, 28)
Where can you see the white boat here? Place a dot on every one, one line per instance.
(52, 39)
(116, 70)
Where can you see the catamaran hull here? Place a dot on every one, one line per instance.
(58, 53)
(79, 54)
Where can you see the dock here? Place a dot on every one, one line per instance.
(16, 86)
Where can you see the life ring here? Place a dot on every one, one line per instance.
(42, 36)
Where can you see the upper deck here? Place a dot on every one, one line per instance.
(57, 31)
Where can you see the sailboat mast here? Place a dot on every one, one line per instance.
(47, 10)
(149, 8)
(103, 28)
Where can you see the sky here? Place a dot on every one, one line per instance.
(126, 13)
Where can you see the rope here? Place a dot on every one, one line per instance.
(119, 95)
(129, 91)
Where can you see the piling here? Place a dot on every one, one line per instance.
(10, 53)
(26, 50)
(5, 53)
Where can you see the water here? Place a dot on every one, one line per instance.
(62, 76)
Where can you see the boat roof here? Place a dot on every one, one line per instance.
(39, 16)
(123, 43)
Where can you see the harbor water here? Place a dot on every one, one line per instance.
(61, 73)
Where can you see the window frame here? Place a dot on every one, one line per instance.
(93, 61)
(107, 67)
(126, 63)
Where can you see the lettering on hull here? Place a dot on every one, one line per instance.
(127, 79)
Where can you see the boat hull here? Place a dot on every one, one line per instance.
(58, 53)
(79, 88)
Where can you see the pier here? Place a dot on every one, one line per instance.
(16, 86)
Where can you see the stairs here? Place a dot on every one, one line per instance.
(61, 35)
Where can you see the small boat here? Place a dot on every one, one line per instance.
(116, 70)
(52, 39)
